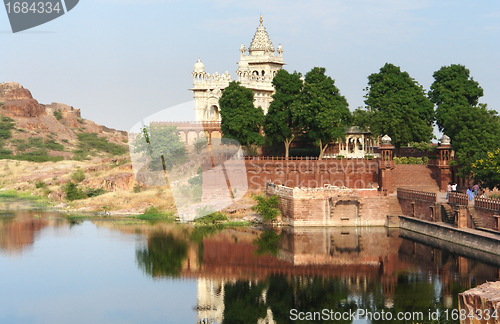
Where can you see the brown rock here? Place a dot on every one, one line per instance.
(22, 108)
(482, 300)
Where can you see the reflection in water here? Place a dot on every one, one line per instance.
(163, 255)
(18, 232)
(250, 276)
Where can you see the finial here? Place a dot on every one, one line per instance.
(261, 19)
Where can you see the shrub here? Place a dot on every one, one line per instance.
(211, 219)
(137, 188)
(80, 120)
(91, 142)
(267, 207)
(151, 210)
(73, 192)
(200, 144)
(94, 192)
(58, 114)
(78, 175)
(40, 184)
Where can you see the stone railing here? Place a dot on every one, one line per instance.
(487, 203)
(458, 198)
(437, 162)
(416, 194)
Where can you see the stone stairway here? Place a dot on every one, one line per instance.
(414, 176)
(478, 223)
(447, 214)
(394, 212)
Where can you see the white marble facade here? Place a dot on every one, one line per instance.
(255, 71)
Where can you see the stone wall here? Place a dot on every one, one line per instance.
(418, 204)
(311, 173)
(486, 242)
(330, 206)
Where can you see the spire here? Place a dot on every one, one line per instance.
(261, 41)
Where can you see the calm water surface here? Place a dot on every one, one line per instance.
(56, 271)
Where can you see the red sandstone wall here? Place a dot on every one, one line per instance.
(318, 207)
(418, 204)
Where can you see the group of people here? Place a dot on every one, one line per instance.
(471, 193)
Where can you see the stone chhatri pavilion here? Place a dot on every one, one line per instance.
(255, 71)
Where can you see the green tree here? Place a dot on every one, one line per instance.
(486, 169)
(320, 110)
(162, 145)
(399, 107)
(472, 128)
(240, 120)
(279, 125)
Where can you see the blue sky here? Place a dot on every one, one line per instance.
(123, 60)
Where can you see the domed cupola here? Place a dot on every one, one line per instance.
(261, 43)
(199, 67)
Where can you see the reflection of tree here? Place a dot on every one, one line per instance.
(267, 242)
(246, 302)
(163, 257)
(307, 294)
(243, 302)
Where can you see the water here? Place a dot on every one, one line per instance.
(56, 271)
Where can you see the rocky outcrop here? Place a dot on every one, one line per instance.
(481, 300)
(120, 181)
(18, 102)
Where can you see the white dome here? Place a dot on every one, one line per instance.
(199, 67)
(242, 65)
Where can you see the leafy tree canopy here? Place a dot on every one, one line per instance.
(280, 126)
(320, 110)
(241, 121)
(398, 107)
(472, 128)
(486, 169)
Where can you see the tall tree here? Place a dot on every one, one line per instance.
(399, 106)
(320, 110)
(279, 125)
(241, 121)
(472, 128)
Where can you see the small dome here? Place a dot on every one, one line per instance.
(242, 65)
(445, 140)
(386, 139)
(199, 67)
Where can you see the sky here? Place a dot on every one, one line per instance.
(121, 61)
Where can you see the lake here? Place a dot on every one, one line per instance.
(59, 270)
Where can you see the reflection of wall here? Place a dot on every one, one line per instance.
(15, 235)
(210, 301)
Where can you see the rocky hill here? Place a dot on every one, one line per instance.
(55, 129)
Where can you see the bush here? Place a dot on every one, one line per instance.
(267, 207)
(137, 188)
(94, 192)
(151, 210)
(58, 114)
(40, 184)
(211, 219)
(73, 192)
(78, 175)
(200, 144)
(91, 142)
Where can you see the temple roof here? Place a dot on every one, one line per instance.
(261, 40)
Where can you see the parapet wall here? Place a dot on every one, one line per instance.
(418, 204)
(330, 206)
